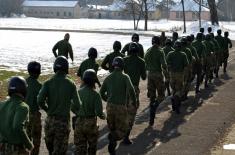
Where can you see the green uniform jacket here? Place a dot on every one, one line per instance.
(64, 48)
(167, 49)
(91, 105)
(87, 64)
(193, 51)
(59, 92)
(135, 68)
(32, 92)
(209, 47)
(188, 53)
(227, 43)
(198, 45)
(177, 61)
(220, 41)
(13, 115)
(217, 47)
(117, 87)
(155, 59)
(126, 49)
(108, 60)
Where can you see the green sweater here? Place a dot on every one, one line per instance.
(220, 41)
(87, 64)
(13, 116)
(91, 105)
(177, 61)
(59, 92)
(108, 60)
(117, 87)
(64, 48)
(33, 89)
(155, 59)
(209, 47)
(227, 44)
(193, 51)
(126, 49)
(135, 68)
(187, 51)
(167, 49)
(200, 48)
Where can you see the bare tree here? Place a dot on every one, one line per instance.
(182, 2)
(213, 12)
(10, 6)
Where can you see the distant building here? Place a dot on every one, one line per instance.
(191, 11)
(53, 9)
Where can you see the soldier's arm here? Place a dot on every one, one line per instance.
(143, 71)
(163, 61)
(230, 43)
(131, 90)
(186, 62)
(103, 91)
(54, 49)
(70, 50)
(99, 107)
(194, 52)
(76, 101)
(125, 49)
(141, 51)
(19, 121)
(104, 63)
(42, 95)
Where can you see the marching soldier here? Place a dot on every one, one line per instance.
(227, 44)
(116, 90)
(86, 129)
(64, 48)
(14, 113)
(219, 55)
(107, 62)
(59, 92)
(155, 65)
(34, 128)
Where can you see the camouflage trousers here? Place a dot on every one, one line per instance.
(156, 82)
(208, 68)
(117, 120)
(86, 136)
(176, 82)
(187, 78)
(34, 131)
(9, 149)
(57, 131)
(225, 59)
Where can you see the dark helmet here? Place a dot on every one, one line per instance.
(117, 45)
(219, 31)
(61, 64)
(202, 30)
(156, 40)
(209, 29)
(168, 42)
(226, 33)
(189, 38)
(199, 36)
(208, 37)
(133, 48)
(17, 85)
(92, 53)
(89, 77)
(135, 37)
(192, 37)
(66, 36)
(34, 68)
(184, 41)
(175, 35)
(177, 44)
(118, 62)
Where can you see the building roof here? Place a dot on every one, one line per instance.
(50, 3)
(189, 5)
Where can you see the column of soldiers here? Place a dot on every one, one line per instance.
(168, 64)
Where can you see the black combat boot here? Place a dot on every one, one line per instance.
(173, 104)
(112, 145)
(152, 111)
(225, 66)
(126, 139)
(177, 104)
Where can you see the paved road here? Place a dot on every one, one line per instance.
(201, 125)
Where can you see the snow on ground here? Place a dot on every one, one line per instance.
(19, 47)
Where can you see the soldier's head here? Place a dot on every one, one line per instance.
(226, 34)
(202, 30)
(61, 64)
(168, 42)
(92, 53)
(135, 37)
(209, 29)
(192, 37)
(184, 41)
(118, 63)
(117, 46)
(34, 68)
(177, 45)
(163, 34)
(208, 37)
(199, 36)
(17, 86)
(90, 78)
(175, 35)
(156, 40)
(219, 32)
(133, 48)
(189, 39)
(66, 37)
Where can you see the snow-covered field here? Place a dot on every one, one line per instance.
(17, 48)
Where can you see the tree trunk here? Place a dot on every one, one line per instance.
(182, 1)
(213, 12)
(199, 14)
(145, 15)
